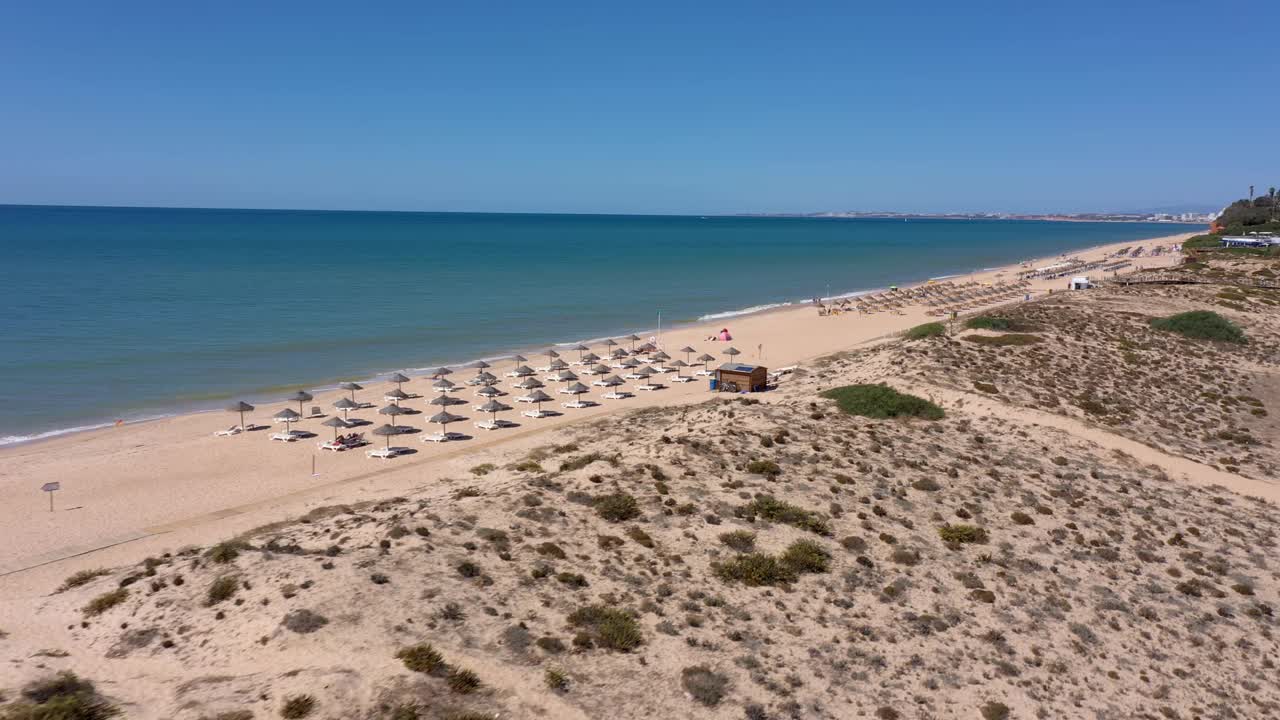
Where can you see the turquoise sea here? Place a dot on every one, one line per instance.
(135, 313)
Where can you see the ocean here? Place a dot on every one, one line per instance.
(133, 313)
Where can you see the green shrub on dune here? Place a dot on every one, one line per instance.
(881, 401)
(1201, 325)
(927, 330)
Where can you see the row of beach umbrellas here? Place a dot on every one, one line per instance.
(525, 376)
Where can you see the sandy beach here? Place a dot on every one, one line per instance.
(171, 482)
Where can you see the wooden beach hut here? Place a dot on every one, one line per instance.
(737, 377)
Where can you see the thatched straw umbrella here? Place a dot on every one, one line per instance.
(288, 417)
(301, 397)
(392, 411)
(241, 407)
(539, 397)
(493, 407)
(387, 431)
(345, 406)
(353, 387)
(336, 422)
(577, 389)
(443, 418)
(679, 365)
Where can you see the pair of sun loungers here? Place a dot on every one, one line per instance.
(344, 442)
(236, 430)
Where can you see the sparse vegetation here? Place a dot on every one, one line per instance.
(806, 556)
(462, 681)
(304, 621)
(84, 577)
(740, 540)
(706, 686)
(757, 569)
(421, 658)
(556, 679)
(617, 507)
(774, 510)
(1006, 340)
(882, 402)
(962, 534)
(64, 696)
(608, 627)
(764, 467)
(223, 588)
(106, 601)
(226, 552)
(298, 706)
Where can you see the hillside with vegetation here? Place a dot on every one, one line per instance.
(1259, 215)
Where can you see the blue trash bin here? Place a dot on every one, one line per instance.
(714, 384)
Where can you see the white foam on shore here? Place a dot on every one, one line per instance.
(743, 311)
(16, 439)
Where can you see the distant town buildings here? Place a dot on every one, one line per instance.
(1184, 217)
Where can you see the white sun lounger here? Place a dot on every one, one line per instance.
(705, 373)
(285, 436)
(649, 387)
(384, 453)
(564, 391)
(525, 399)
(618, 395)
(537, 413)
(493, 424)
(233, 430)
(681, 379)
(332, 445)
(442, 437)
(578, 404)
(633, 376)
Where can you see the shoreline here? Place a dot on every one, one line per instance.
(373, 377)
(171, 482)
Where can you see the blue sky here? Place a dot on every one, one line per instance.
(638, 107)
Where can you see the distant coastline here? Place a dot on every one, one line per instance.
(1196, 218)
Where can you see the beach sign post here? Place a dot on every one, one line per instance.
(50, 487)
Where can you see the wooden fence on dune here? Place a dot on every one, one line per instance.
(1176, 278)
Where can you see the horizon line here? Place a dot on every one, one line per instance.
(810, 215)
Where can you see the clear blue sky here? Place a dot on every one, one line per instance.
(638, 107)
